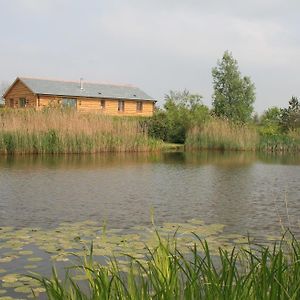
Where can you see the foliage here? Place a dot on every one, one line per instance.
(182, 111)
(157, 125)
(252, 272)
(290, 117)
(233, 95)
(270, 121)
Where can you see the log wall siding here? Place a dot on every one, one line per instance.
(94, 105)
(20, 90)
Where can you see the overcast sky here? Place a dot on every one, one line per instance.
(158, 45)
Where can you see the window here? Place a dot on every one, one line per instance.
(11, 103)
(139, 106)
(69, 103)
(102, 104)
(121, 105)
(22, 102)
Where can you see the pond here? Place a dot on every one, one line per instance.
(50, 203)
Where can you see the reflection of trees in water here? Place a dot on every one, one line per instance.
(279, 158)
(222, 158)
(73, 161)
(227, 159)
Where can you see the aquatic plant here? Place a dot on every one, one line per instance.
(289, 142)
(252, 272)
(219, 134)
(66, 131)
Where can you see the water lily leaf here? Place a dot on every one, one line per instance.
(9, 278)
(8, 259)
(30, 266)
(2, 271)
(25, 252)
(79, 277)
(39, 290)
(10, 284)
(34, 259)
(3, 292)
(23, 289)
(6, 298)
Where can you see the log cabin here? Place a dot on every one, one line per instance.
(109, 99)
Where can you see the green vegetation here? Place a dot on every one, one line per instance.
(229, 125)
(250, 272)
(65, 131)
(280, 128)
(233, 95)
(221, 134)
(182, 111)
(184, 119)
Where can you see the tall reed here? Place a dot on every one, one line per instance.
(289, 142)
(252, 272)
(66, 131)
(221, 134)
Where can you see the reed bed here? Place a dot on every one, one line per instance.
(221, 134)
(280, 142)
(65, 131)
(252, 272)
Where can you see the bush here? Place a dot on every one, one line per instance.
(181, 112)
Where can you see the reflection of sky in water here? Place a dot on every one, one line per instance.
(242, 191)
(247, 194)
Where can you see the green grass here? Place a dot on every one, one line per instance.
(252, 272)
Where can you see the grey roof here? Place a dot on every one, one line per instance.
(94, 90)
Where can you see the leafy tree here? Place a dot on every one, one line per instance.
(233, 95)
(157, 125)
(183, 111)
(270, 121)
(290, 117)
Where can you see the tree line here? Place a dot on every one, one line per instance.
(233, 99)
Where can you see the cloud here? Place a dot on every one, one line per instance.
(158, 45)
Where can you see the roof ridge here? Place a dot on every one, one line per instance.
(85, 82)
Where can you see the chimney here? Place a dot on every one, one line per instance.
(81, 83)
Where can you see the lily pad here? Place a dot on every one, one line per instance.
(8, 259)
(9, 278)
(34, 259)
(25, 252)
(79, 277)
(30, 266)
(23, 289)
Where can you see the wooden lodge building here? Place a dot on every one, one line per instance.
(84, 97)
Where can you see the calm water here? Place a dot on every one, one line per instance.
(246, 192)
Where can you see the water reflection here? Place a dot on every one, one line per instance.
(243, 190)
(230, 159)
